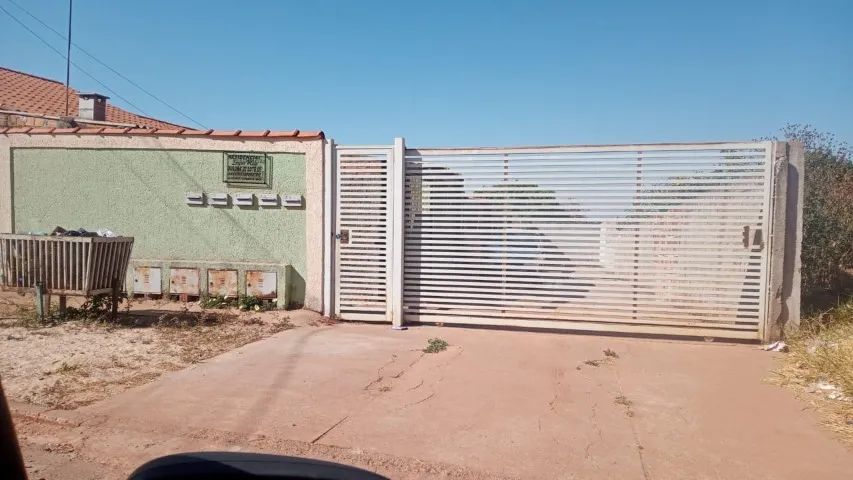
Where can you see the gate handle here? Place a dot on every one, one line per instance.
(753, 239)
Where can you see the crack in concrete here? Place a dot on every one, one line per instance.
(379, 376)
(589, 445)
(630, 415)
(419, 401)
(552, 402)
(595, 421)
(416, 386)
(403, 371)
(329, 429)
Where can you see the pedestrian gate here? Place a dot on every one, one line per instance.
(362, 227)
(661, 239)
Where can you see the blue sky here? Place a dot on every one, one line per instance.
(444, 73)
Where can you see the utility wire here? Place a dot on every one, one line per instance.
(68, 56)
(45, 42)
(93, 57)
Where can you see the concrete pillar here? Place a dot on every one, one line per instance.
(398, 199)
(786, 235)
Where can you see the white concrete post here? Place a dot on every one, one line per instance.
(786, 242)
(398, 199)
(328, 226)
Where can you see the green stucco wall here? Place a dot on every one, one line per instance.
(141, 193)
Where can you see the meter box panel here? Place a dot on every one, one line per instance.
(261, 284)
(222, 283)
(183, 281)
(147, 280)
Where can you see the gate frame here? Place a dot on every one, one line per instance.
(780, 289)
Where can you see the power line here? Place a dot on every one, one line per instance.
(93, 57)
(72, 63)
(68, 57)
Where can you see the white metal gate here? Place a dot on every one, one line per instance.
(662, 239)
(362, 228)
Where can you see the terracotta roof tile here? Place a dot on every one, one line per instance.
(32, 94)
(90, 130)
(295, 134)
(113, 131)
(170, 131)
(24, 92)
(256, 134)
(310, 134)
(224, 133)
(283, 134)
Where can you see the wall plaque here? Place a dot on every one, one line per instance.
(249, 169)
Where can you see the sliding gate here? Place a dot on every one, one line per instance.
(663, 239)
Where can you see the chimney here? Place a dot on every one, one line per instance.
(93, 106)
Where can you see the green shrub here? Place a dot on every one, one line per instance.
(216, 301)
(435, 345)
(250, 302)
(96, 307)
(827, 210)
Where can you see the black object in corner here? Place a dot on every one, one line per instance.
(239, 466)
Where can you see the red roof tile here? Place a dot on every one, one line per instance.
(113, 131)
(255, 134)
(162, 132)
(32, 94)
(225, 133)
(23, 92)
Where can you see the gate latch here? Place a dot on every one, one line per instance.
(343, 236)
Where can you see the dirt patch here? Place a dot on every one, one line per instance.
(54, 452)
(69, 364)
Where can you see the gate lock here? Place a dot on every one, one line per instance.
(343, 236)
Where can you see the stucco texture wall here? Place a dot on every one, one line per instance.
(141, 193)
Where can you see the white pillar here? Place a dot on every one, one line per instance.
(328, 226)
(398, 194)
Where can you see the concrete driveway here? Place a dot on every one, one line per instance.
(515, 404)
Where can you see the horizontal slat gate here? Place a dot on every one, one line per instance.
(657, 239)
(362, 227)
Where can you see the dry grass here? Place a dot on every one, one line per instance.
(821, 353)
(207, 339)
(70, 362)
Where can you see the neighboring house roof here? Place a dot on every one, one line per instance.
(23, 92)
